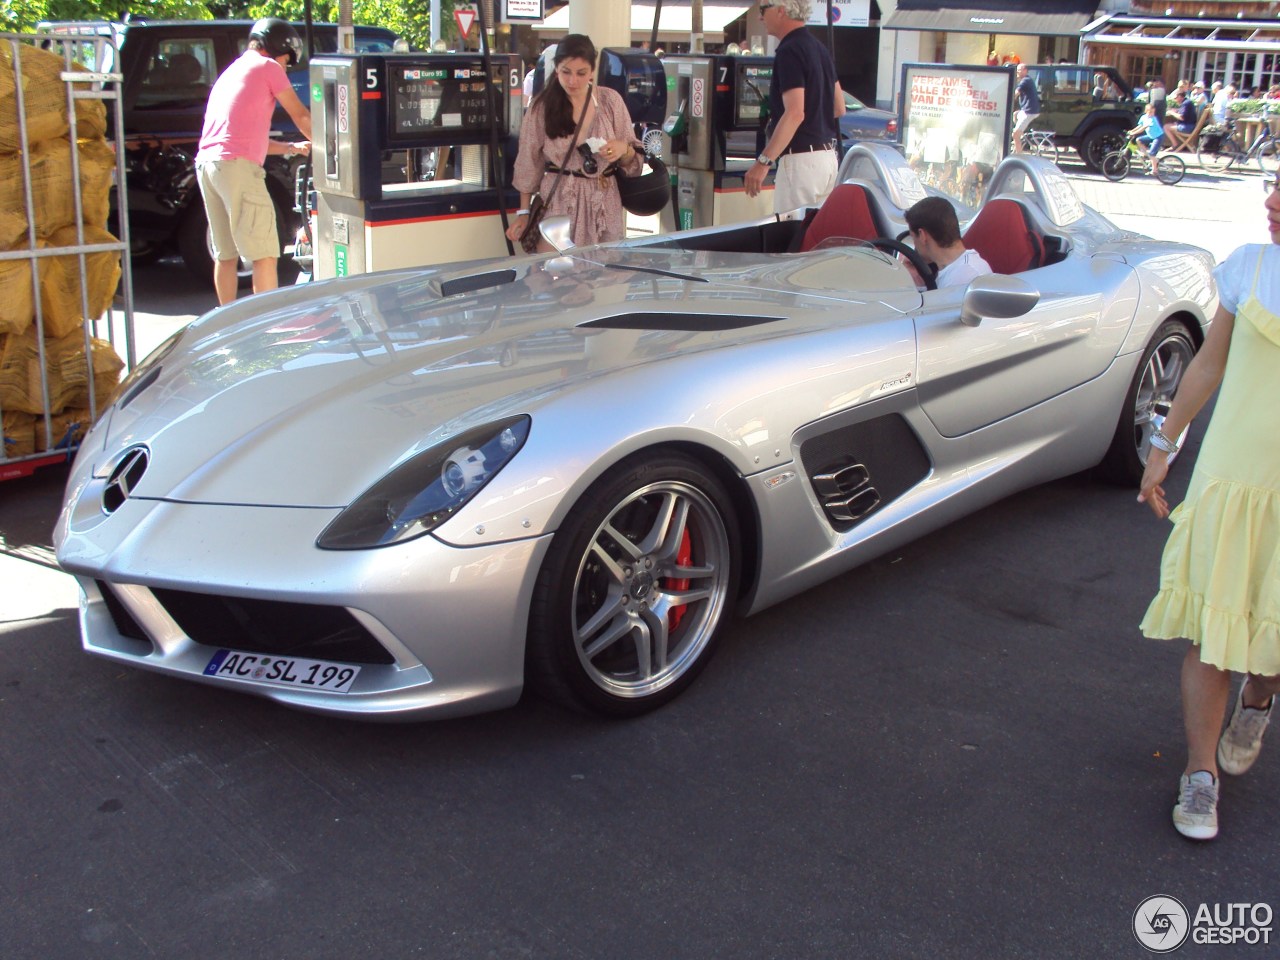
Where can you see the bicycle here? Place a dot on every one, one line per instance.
(1040, 143)
(1220, 153)
(1168, 167)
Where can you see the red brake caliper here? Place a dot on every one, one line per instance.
(684, 556)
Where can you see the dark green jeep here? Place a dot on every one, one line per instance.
(1087, 108)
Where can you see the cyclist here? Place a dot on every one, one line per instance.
(1028, 105)
(1150, 134)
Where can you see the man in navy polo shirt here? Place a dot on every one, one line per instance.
(804, 101)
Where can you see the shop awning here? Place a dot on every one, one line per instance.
(1043, 18)
(1168, 33)
(676, 20)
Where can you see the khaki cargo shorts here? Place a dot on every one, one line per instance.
(242, 218)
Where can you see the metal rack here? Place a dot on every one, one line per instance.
(93, 47)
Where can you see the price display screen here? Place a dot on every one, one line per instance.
(434, 103)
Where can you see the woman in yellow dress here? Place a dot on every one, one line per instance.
(1220, 575)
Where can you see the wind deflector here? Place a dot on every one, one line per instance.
(683, 322)
(476, 281)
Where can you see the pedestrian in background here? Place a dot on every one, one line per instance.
(234, 144)
(805, 101)
(1220, 575)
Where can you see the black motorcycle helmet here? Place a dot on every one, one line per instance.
(278, 38)
(648, 193)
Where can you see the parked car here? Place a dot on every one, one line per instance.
(411, 493)
(1088, 108)
(859, 123)
(169, 67)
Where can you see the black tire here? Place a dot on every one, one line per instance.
(604, 633)
(196, 247)
(1169, 168)
(1220, 157)
(1100, 141)
(1268, 157)
(1115, 165)
(1147, 402)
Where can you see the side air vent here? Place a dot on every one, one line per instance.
(856, 469)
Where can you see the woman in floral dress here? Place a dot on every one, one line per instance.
(588, 192)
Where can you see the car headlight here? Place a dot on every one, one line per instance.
(426, 490)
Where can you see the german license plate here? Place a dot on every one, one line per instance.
(283, 671)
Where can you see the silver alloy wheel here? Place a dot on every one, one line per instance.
(1160, 378)
(650, 589)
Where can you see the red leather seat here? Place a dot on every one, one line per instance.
(1005, 237)
(846, 213)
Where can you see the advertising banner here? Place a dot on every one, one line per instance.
(955, 123)
(522, 11)
(844, 13)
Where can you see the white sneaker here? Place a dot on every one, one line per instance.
(1239, 744)
(1195, 815)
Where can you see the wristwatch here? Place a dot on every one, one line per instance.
(764, 159)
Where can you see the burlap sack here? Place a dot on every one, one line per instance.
(68, 428)
(52, 192)
(44, 96)
(68, 374)
(61, 282)
(19, 435)
(17, 306)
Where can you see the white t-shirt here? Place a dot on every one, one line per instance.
(1235, 276)
(968, 266)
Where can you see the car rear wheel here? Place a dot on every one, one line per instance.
(1098, 142)
(635, 588)
(1147, 403)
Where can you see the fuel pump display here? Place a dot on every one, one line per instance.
(404, 168)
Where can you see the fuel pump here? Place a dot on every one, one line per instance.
(717, 108)
(402, 164)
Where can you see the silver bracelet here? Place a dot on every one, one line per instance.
(522, 213)
(1161, 442)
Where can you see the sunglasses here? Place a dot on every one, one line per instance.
(766, 6)
(1269, 185)
(589, 163)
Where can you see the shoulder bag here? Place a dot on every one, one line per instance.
(538, 205)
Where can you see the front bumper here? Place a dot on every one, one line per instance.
(451, 620)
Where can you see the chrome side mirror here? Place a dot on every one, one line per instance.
(997, 296)
(557, 231)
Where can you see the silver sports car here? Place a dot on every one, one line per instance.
(413, 493)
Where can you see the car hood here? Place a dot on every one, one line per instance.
(306, 396)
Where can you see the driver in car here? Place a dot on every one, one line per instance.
(935, 231)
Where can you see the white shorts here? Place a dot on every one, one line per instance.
(803, 179)
(1024, 121)
(242, 218)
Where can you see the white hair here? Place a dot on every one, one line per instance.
(797, 9)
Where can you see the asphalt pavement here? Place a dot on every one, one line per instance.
(963, 749)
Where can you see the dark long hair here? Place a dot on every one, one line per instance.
(557, 110)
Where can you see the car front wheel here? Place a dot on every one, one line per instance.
(635, 588)
(1147, 403)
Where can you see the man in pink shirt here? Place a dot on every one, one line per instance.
(233, 146)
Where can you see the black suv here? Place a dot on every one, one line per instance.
(168, 68)
(1088, 108)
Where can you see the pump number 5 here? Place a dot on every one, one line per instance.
(371, 78)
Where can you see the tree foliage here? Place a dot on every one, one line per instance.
(411, 19)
